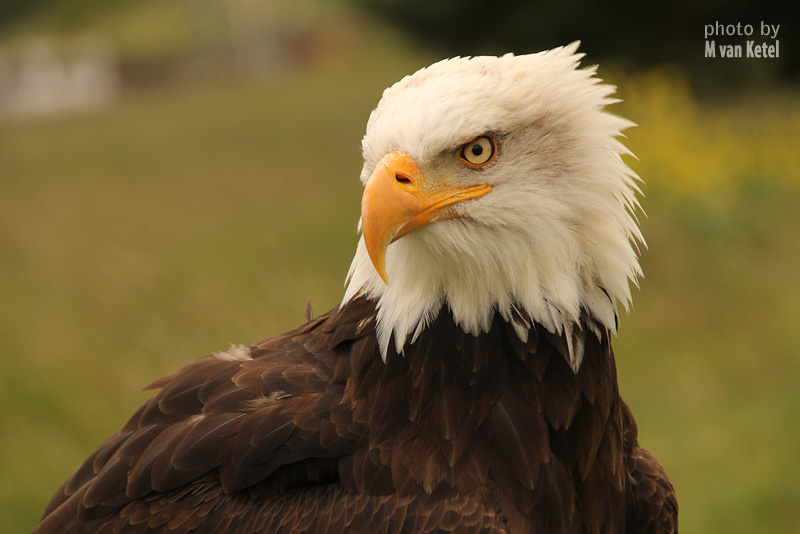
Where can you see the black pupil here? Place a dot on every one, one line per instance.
(477, 150)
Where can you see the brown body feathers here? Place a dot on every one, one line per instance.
(311, 431)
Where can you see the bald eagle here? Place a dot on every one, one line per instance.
(466, 383)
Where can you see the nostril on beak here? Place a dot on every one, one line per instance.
(402, 180)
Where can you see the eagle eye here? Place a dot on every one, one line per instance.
(479, 152)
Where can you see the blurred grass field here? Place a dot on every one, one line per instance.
(186, 219)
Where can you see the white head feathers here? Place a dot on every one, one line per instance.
(556, 234)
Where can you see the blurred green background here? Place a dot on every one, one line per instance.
(176, 176)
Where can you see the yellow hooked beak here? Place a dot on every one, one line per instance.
(399, 199)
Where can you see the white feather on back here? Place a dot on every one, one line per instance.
(557, 233)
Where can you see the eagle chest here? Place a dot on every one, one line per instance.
(495, 417)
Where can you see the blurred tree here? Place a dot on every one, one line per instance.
(13, 10)
(633, 32)
(56, 12)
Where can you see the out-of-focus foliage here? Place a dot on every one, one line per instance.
(721, 147)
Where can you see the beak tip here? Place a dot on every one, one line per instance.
(377, 256)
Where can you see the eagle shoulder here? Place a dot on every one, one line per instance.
(652, 506)
(271, 413)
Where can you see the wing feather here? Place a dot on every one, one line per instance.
(652, 504)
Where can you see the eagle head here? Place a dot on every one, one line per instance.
(495, 185)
